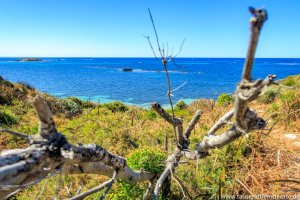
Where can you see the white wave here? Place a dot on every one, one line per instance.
(287, 63)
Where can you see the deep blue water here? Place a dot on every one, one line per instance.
(102, 79)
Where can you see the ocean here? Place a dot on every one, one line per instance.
(103, 79)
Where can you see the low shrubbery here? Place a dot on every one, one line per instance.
(291, 81)
(70, 106)
(7, 118)
(151, 160)
(180, 105)
(151, 115)
(225, 99)
(269, 95)
(115, 106)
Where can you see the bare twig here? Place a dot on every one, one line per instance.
(92, 191)
(149, 189)
(11, 187)
(176, 122)
(42, 190)
(221, 122)
(156, 35)
(150, 44)
(58, 186)
(180, 49)
(21, 135)
(110, 185)
(244, 186)
(192, 124)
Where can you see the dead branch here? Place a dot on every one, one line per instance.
(49, 151)
(21, 135)
(96, 189)
(246, 120)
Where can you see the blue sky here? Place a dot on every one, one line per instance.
(114, 28)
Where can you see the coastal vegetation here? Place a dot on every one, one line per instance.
(249, 164)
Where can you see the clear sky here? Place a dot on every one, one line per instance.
(115, 28)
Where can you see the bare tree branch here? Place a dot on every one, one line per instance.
(171, 119)
(109, 185)
(221, 122)
(96, 189)
(246, 119)
(21, 135)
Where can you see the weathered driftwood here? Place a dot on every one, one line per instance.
(50, 153)
(246, 120)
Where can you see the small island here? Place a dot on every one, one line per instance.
(29, 60)
(127, 70)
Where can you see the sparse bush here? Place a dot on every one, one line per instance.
(269, 96)
(151, 115)
(180, 105)
(291, 81)
(69, 107)
(125, 191)
(116, 106)
(5, 82)
(7, 118)
(291, 104)
(225, 99)
(288, 96)
(206, 105)
(26, 85)
(82, 104)
(147, 159)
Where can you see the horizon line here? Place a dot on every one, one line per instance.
(135, 57)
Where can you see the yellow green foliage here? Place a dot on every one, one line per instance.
(147, 159)
(224, 99)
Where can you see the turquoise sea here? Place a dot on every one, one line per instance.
(103, 80)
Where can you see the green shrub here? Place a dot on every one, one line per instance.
(274, 107)
(180, 105)
(291, 103)
(82, 104)
(291, 81)
(69, 107)
(116, 106)
(149, 160)
(225, 99)
(7, 118)
(125, 191)
(269, 96)
(273, 110)
(288, 96)
(151, 115)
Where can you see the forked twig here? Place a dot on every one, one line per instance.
(96, 189)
